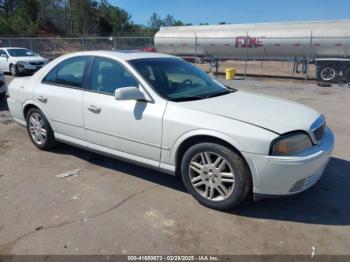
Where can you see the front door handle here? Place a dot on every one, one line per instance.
(42, 99)
(94, 109)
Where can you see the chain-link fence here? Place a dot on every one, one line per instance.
(54, 47)
(255, 56)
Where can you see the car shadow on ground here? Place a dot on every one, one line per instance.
(327, 203)
(123, 167)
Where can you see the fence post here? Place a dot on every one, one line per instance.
(308, 57)
(82, 47)
(246, 55)
(195, 47)
(115, 42)
(30, 44)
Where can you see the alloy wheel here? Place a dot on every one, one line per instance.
(212, 176)
(37, 128)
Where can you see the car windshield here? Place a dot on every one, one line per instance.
(20, 52)
(178, 80)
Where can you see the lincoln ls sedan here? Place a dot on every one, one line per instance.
(162, 112)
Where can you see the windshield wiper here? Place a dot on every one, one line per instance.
(219, 94)
(192, 98)
(187, 98)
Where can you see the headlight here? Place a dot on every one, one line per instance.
(290, 144)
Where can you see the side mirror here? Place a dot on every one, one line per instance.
(129, 93)
(3, 55)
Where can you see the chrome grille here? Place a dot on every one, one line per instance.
(318, 133)
(318, 129)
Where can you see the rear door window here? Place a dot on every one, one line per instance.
(109, 75)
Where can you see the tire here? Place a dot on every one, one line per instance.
(37, 122)
(206, 185)
(14, 70)
(327, 73)
(347, 75)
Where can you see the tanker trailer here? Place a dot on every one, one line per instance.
(325, 43)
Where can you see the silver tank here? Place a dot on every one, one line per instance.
(260, 41)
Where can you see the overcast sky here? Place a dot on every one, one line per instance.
(233, 11)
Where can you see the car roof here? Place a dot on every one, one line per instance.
(124, 54)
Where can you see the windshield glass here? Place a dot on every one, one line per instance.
(20, 52)
(177, 80)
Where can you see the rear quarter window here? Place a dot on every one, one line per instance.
(69, 72)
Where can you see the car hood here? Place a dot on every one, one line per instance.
(275, 114)
(28, 58)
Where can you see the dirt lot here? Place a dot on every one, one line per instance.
(119, 208)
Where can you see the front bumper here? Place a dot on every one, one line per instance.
(28, 68)
(278, 176)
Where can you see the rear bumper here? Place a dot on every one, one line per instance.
(15, 108)
(278, 176)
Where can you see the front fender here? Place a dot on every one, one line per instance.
(201, 132)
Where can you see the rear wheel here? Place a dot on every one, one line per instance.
(39, 130)
(215, 175)
(327, 74)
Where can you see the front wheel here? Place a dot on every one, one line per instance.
(215, 175)
(39, 130)
(14, 70)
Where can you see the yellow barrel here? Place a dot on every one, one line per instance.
(230, 73)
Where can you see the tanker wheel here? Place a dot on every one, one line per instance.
(347, 75)
(327, 74)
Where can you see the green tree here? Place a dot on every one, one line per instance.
(155, 22)
(117, 18)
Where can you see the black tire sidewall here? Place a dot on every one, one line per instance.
(14, 70)
(47, 144)
(236, 163)
(347, 75)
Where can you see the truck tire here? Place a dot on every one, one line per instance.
(347, 75)
(327, 73)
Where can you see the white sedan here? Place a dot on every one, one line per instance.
(17, 60)
(160, 111)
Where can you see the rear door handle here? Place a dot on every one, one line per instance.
(94, 109)
(42, 99)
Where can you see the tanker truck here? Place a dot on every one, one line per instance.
(324, 43)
